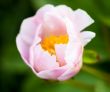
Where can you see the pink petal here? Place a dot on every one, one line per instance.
(73, 51)
(74, 46)
(65, 11)
(74, 36)
(51, 74)
(42, 60)
(87, 36)
(53, 25)
(81, 19)
(37, 39)
(60, 53)
(28, 29)
(41, 12)
(72, 71)
(23, 48)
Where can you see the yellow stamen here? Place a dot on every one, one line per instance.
(49, 42)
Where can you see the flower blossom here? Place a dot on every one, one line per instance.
(51, 42)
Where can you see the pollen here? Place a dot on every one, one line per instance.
(49, 42)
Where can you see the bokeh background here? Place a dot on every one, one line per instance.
(15, 76)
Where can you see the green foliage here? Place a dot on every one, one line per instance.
(90, 57)
(15, 76)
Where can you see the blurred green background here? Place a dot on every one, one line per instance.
(15, 76)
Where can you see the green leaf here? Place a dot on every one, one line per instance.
(102, 86)
(90, 57)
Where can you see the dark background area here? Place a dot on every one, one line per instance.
(15, 76)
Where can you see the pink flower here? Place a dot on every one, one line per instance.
(51, 42)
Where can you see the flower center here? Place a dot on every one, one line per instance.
(49, 42)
